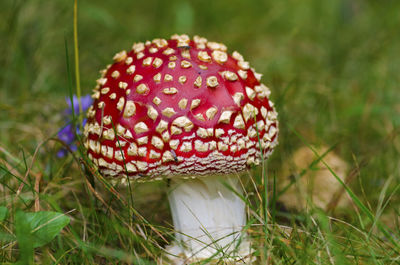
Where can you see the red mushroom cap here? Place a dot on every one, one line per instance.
(179, 107)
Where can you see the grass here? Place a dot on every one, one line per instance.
(333, 70)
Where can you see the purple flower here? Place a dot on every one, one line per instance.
(68, 133)
(86, 101)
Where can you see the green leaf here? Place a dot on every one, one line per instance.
(24, 238)
(44, 226)
(3, 213)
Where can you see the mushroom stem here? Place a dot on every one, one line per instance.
(208, 218)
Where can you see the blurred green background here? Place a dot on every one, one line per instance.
(333, 68)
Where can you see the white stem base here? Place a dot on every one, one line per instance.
(208, 219)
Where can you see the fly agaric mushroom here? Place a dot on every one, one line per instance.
(188, 111)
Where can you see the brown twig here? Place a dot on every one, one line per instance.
(21, 186)
(37, 190)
